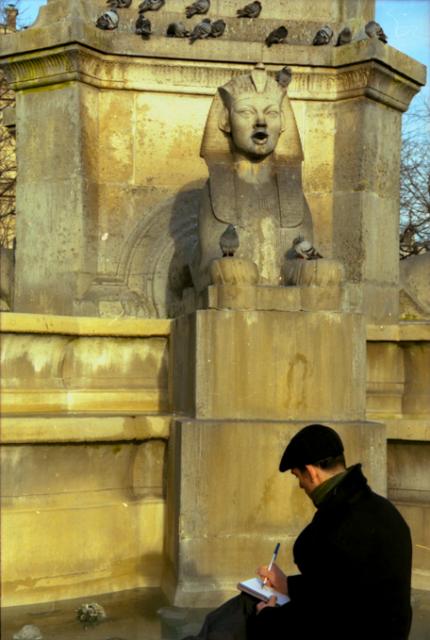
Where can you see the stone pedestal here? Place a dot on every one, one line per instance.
(245, 381)
(228, 505)
(232, 364)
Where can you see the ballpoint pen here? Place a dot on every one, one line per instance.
(273, 560)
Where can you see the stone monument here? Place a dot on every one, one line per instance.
(149, 382)
(253, 151)
(246, 373)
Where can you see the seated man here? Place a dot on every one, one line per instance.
(354, 559)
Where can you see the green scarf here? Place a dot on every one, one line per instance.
(319, 494)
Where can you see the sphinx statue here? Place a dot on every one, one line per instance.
(254, 155)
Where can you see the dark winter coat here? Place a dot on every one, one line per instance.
(355, 569)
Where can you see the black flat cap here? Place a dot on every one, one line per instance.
(311, 444)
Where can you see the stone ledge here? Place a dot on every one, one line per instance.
(83, 428)
(416, 497)
(363, 74)
(243, 41)
(83, 401)
(402, 332)
(82, 326)
(412, 429)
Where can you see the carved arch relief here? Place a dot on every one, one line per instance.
(154, 258)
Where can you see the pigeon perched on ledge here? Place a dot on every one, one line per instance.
(344, 37)
(143, 27)
(303, 250)
(374, 30)
(198, 7)
(277, 36)
(229, 241)
(217, 28)
(323, 36)
(283, 77)
(119, 4)
(108, 21)
(201, 31)
(251, 10)
(151, 5)
(177, 30)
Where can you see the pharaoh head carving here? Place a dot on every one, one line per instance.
(252, 113)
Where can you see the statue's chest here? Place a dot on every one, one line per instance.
(256, 202)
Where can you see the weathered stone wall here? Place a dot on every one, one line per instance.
(83, 455)
(85, 420)
(398, 393)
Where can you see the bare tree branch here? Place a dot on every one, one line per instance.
(415, 182)
(7, 141)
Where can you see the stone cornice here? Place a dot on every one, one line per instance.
(29, 323)
(102, 427)
(370, 78)
(403, 332)
(62, 22)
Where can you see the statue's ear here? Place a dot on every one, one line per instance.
(224, 121)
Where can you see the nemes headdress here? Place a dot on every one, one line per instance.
(216, 149)
(258, 81)
(216, 143)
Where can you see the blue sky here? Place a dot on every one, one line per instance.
(406, 23)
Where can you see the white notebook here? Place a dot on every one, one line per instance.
(255, 588)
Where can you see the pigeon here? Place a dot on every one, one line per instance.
(90, 614)
(118, 4)
(277, 36)
(229, 241)
(374, 30)
(283, 77)
(303, 249)
(108, 20)
(198, 7)
(344, 37)
(151, 5)
(202, 30)
(143, 27)
(217, 28)
(323, 36)
(251, 10)
(177, 30)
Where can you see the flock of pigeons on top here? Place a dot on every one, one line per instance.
(207, 29)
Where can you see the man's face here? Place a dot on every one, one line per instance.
(305, 481)
(256, 124)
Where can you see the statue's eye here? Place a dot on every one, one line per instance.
(245, 112)
(272, 112)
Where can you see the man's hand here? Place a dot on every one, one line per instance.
(262, 605)
(276, 578)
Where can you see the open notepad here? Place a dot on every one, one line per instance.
(255, 588)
